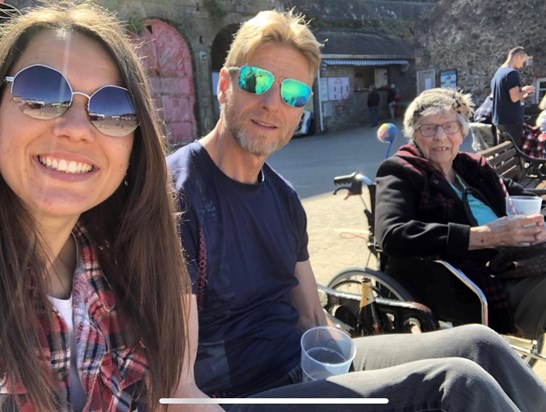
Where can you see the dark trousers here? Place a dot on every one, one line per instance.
(515, 130)
(373, 114)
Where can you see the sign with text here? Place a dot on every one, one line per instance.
(448, 78)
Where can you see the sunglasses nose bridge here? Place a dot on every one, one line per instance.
(81, 94)
(77, 113)
(87, 103)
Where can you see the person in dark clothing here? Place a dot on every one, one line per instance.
(508, 95)
(436, 202)
(373, 105)
(392, 100)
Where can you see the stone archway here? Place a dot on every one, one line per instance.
(167, 61)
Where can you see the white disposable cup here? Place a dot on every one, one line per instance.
(523, 205)
(325, 351)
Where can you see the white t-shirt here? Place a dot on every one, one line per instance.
(77, 395)
(64, 307)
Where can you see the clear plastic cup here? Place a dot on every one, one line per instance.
(523, 205)
(325, 351)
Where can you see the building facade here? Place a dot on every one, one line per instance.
(183, 44)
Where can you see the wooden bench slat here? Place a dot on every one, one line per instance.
(507, 162)
(502, 157)
(494, 150)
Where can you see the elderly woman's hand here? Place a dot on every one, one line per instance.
(509, 231)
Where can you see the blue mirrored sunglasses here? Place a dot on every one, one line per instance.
(43, 92)
(255, 80)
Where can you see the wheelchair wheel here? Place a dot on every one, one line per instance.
(383, 285)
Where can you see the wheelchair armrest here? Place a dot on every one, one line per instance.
(471, 285)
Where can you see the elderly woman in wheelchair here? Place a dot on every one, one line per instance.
(434, 202)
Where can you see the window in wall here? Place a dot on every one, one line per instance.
(540, 87)
(381, 77)
(364, 77)
(359, 81)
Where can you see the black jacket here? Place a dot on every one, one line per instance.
(373, 98)
(418, 214)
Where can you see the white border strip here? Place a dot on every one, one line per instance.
(277, 401)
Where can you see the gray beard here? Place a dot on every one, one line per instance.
(255, 147)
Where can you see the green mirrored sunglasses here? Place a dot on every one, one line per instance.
(255, 80)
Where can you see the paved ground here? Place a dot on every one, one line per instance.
(336, 226)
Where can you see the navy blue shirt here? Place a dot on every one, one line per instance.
(252, 236)
(505, 111)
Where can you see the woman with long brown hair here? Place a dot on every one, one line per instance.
(92, 280)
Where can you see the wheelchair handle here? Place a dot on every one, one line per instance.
(352, 182)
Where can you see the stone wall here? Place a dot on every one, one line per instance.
(474, 36)
(347, 11)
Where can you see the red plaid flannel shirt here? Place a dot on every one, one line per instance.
(111, 363)
(534, 142)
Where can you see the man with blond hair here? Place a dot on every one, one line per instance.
(243, 229)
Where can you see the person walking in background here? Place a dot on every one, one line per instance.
(373, 104)
(508, 95)
(392, 100)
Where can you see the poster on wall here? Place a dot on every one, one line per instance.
(448, 78)
(426, 79)
(338, 88)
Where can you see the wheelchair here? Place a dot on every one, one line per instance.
(341, 296)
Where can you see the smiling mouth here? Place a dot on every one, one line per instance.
(268, 125)
(65, 166)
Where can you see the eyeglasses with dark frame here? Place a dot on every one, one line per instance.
(430, 129)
